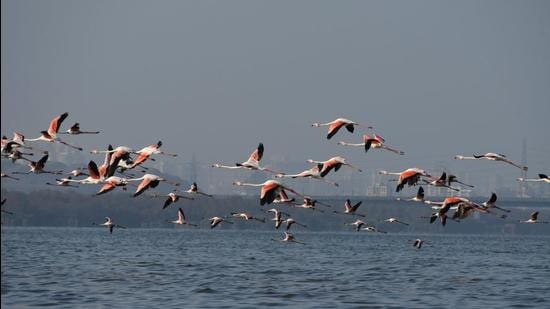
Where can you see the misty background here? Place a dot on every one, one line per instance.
(212, 79)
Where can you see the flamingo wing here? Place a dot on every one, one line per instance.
(334, 127)
(93, 170)
(143, 185)
(56, 123)
(268, 193)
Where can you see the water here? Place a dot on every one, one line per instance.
(143, 268)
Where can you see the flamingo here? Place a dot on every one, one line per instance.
(358, 224)
(350, 209)
(38, 167)
(111, 183)
(375, 141)
(453, 178)
(94, 176)
(289, 222)
(50, 135)
(490, 203)
(492, 157)
(75, 130)
(313, 173)
(2, 205)
(110, 224)
(148, 181)
(18, 155)
(171, 197)
(113, 158)
(542, 178)
(418, 243)
(289, 238)
(409, 176)
(418, 198)
(445, 206)
(63, 182)
(277, 216)
(373, 229)
(146, 152)
(269, 191)
(181, 219)
(394, 220)
(194, 189)
(308, 204)
(533, 218)
(4, 175)
(19, 140)
(463, 210)
(78, 172)
(333, 163)
(336, 124)
(214, 221)
(283, 198)
(253, 162)
(440, 182)
(246, 216)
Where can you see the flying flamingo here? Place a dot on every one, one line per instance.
(269, 191)
(63, 182)
(313, 173)
(449, 202)
(409, 176)
(253, 162)
(492, 157)
(335, 125)
(373, 229)
(75, 130)
(51, 134)
(111, 183)
(148, 181)
(110, 224)
(171, 197)
(308, 204)
(283, 198)
(18, 155)
(440, 182)
(418, 198)
(490, 203)
(214, 221)
(350, 209)
(542, 178)
(38, 167)
(358, 224)
(453, 178)
(333, 163)
(146, 152)
(418, 243)
(19, 140)
(114, 157)
(181, 219)
(194, 189)
(533, 218)
(289, 222)
(4, 175)
(289, 238)
(246, 216)
(375, 141)
(394, 220)
(277, 216)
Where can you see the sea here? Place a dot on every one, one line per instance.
(192, 268)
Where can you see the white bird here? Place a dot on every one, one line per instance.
(194, 189)
(313, 173)
(418, 198)
(289, 222)
(75, 130)
(358, 224)
(147, 151)
(246, 216)
(350, 209)
(373, 229)
(492, 157)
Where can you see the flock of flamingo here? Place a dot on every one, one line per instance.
(114, 173)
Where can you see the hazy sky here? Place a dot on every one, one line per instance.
(214, 78)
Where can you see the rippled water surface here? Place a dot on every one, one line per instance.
(87, 267)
